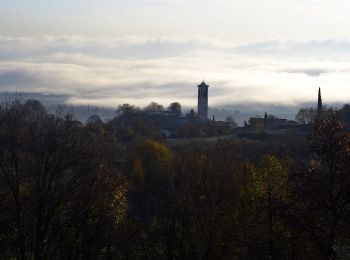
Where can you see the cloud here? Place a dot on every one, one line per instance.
(126, 47)
(300, 49)
(312, 72)
(109, 71)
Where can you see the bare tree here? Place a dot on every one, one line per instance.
(46, 169)
(306, 115)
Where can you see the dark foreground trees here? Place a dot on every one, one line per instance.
(210, 202)
(72, 191)
(49, 175)
(323, 189)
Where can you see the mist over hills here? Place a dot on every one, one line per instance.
(239, 111)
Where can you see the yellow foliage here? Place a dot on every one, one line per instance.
(150, 157)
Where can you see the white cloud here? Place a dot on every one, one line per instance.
(109, 71)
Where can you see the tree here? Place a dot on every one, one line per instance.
(175, 108)
(306, 115)
(322, 190)
(97, 232)
(45, 170)
(149, 170)
(94, 120)
(11, 123)
(344, 115)
(192, 115)
(231, 122)
(273, 196)
(126, 109)
(32, 107)
(154, 107)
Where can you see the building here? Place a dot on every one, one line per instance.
(319, 105)
(203, 101)
(267, 122)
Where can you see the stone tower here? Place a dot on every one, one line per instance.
(203, 101)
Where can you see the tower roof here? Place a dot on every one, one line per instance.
(203, 85)
(319, 103)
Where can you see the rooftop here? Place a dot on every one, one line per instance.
(203, 85)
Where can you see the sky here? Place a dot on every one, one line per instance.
(108, 52)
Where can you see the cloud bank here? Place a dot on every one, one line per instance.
(110, 71)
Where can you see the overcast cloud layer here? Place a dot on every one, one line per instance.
(109, 71)
(248, 51)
